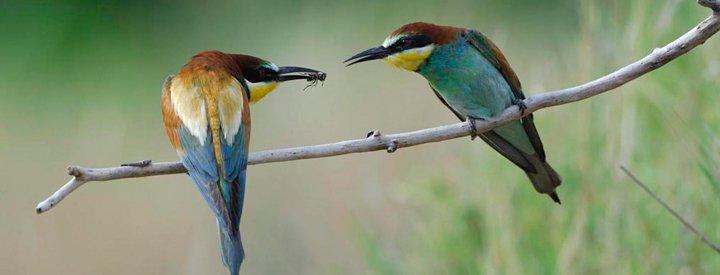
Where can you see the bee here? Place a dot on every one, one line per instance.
(314, 78)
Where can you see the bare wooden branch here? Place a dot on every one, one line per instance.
(657, 58)
(667, 207)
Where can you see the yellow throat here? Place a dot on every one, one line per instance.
(410, 59)
(260, 89)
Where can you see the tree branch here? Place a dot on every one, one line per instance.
(375, 141)
(667, 207)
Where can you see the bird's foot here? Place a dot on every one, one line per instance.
(473, 129)
(139, 164)
(521, 105)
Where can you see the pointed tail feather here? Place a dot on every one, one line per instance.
(231, 248)
(546, 179)
(542, 176)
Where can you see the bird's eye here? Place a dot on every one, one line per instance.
(265, 74)
(404, 42)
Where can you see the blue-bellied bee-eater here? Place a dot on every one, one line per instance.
(470, 75)
(206, 114)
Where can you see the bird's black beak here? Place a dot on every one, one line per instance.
(370, 54)
(293, 73)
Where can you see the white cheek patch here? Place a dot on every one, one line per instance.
(391, 40)
(190, 107)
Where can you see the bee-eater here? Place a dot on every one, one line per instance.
(206, 114)
(470, 76)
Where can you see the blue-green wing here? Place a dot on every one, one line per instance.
(223, 188)
(235, 156)
(493, 54)
(199, 160)
(495, 141)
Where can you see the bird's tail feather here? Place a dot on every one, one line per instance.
(231, 248)
(546, 179)
(542, 176)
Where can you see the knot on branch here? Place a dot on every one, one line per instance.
(393, 146)
(390, 146)
(712, 4)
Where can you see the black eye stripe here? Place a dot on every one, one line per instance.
(413, 41)
(260, 74)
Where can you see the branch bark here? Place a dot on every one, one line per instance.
(375, 141)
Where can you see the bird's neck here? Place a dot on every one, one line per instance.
(446, 59)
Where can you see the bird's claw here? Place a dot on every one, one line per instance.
(473, 129)
(521, 105)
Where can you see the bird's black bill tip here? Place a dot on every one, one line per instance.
(370, 54)
(288, 73)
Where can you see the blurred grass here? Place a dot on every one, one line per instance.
(79, 83)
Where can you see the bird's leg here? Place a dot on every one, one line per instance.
(473, 129)
(521, 105)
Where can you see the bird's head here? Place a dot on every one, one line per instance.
(409, 46)
(262, 77)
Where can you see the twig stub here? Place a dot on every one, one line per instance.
(74, 171)
(393, 146)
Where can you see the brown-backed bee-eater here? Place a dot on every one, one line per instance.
(470, 75)
(206, 114)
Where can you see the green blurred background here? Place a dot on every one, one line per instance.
(80, 84)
